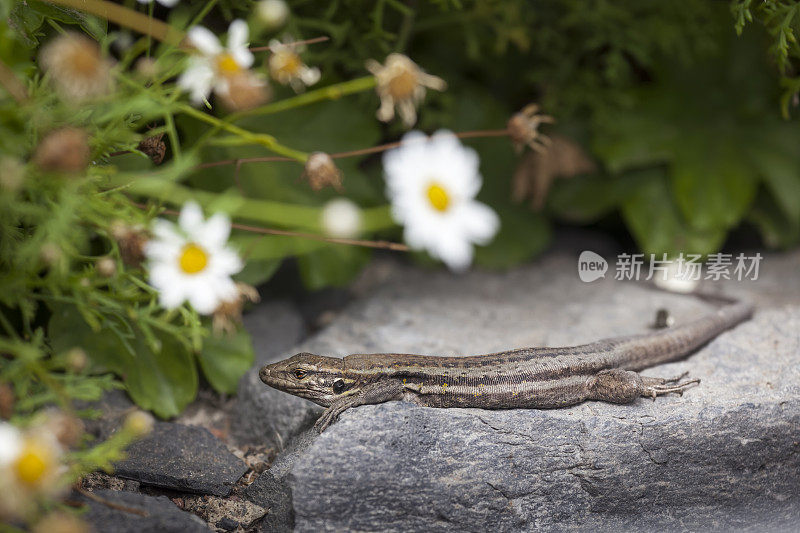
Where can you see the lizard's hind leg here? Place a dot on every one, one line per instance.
(624, 386)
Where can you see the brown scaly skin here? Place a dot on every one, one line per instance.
(526, 378)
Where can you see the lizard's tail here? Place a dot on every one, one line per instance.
(640, 351)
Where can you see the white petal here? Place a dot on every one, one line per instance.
(164, 230)
(310, 75)
(10, 443)
(171, 296)
(237, 34)
(191, 217)
(480, 222)
(216, 230)
(204, 40)
(243, 57)
(198, 79)
(204, 300)
(168, 3)
(162, 250)
(225, 262)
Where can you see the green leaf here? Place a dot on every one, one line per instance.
(334, 265)
(224, 359)
(713, 186)
(656, 223)
(522, 235)
(162, 381)
(585, 199)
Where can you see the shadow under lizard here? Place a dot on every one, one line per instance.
(525, 378)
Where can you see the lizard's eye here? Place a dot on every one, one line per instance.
(338, 386)
(299, 373)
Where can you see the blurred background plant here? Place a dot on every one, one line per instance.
(673, 122)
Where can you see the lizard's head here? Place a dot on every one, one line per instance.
(313, 377)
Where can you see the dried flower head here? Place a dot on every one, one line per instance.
(286, 67)
(63, 150)
(523, 128)
(147, 68)
(246, 90)
(139, 423)
(228, 315)
(537, 170)
(401, 83)
(154, 147)
(131, 241)
(321, 172)
(12, 173)
(77, 67)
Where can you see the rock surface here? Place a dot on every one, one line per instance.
(725, 455)
(141, 513)
(182, 458)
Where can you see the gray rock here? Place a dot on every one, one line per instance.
(274, 495)
(264, 416)
(723, 456)
(141, 513)
(182, 458)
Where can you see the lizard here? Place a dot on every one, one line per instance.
(537, 378)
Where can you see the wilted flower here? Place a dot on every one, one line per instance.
(272, 13)
(246, 90)
(432, 183)
(341, 218)
(229, 313)
(63, 150)
(401, 83)
(523, 128)
(321, 172)
(131, 241)
(77, 67)
(192, 261)
(286, 67)
(214, 67)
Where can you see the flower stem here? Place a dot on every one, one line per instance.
(267, 141)
(125, 17)
(332, 92)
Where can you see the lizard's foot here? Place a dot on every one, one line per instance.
(653, 387)
(624, 386)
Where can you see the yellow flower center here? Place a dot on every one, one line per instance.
(227, 65)
(438, 197)
(193, 259)
(402, 85)
(288, 64)
(33, 463)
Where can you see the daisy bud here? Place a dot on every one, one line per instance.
(131, 241)
(147, 68)
(523, 128)
(139, 423)
(6, 401)
(228, 315)
(50, 253)
(12, 172)
(63, 150)
(77, 67)
(77, 360)
(61, 522)
(341, 218)
(154, 147)
(245, 91)
(106, 267)
(401, 83)
(272, 14)
(321, 171)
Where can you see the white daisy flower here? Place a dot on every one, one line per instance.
(215, 66)
(432, 183)
(192, 262)
(165, 3)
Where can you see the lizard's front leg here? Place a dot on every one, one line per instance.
(378, 392)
